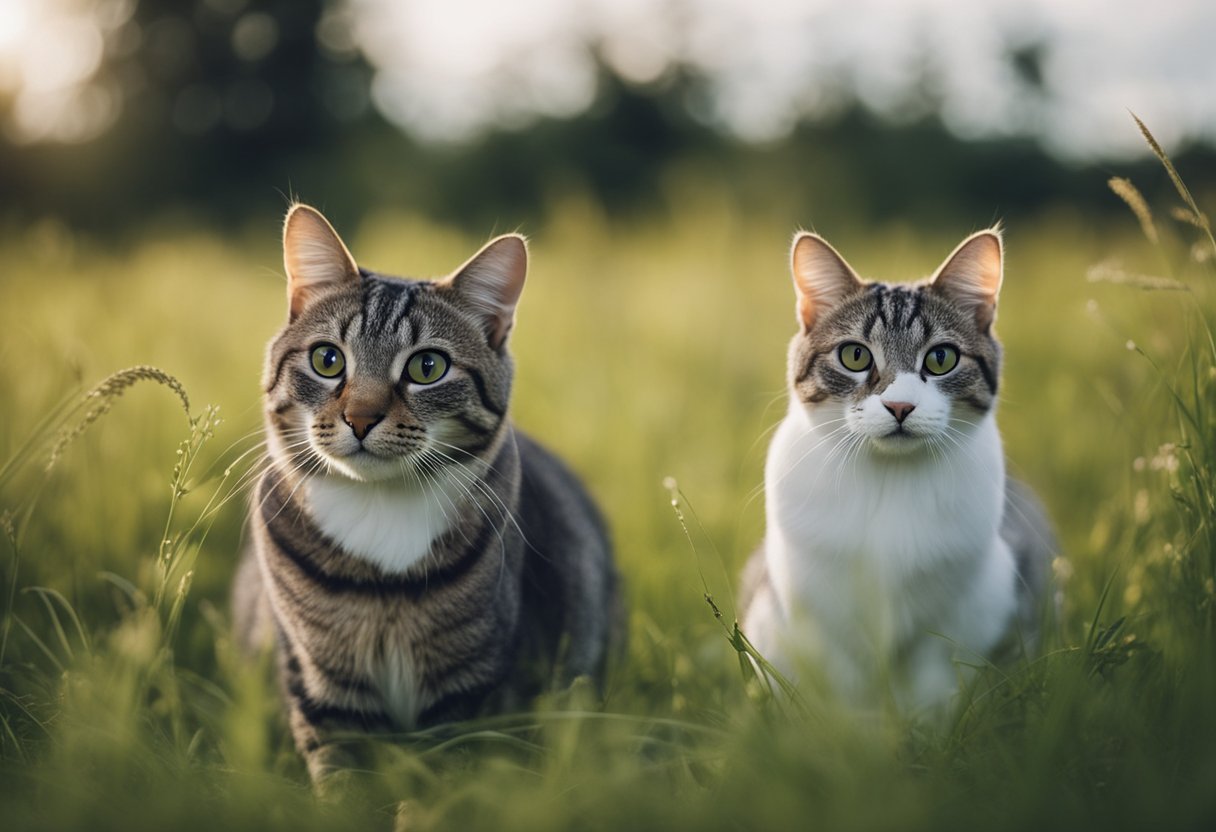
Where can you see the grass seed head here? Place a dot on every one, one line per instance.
(102, 398)
(1128, 192)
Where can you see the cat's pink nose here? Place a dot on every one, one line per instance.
(362, 423)
(899, 410)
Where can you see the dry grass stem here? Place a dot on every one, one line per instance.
(1112, 273)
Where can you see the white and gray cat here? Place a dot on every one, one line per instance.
(415, 556)
(897, 552)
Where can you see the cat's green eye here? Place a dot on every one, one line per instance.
(941, 359)
(328, 361)
(427, 367)
(855, 357)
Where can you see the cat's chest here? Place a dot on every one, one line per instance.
(391, 526)
(377, 647)
(890, 517)
(396, 677)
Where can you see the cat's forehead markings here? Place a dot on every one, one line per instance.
(344, 330)
(384, 301)
(876, 313)
(895, 307)
(917, 298)
(896, 301)
(409, 291)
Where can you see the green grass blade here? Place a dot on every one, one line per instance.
(40, 644)
(47, 595)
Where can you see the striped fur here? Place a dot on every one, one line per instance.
(438, 565)
(897, 552)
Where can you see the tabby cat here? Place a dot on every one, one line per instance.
(415, 558)
(896, 550)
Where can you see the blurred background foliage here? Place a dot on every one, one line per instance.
(127, 113)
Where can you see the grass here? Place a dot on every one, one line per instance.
(644, 352)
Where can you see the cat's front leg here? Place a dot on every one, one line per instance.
(338, 753)
(765, 627)
(820, 659)
(324, 757)
(328, 735)
(929, 676)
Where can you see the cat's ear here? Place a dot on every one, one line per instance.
(822, 278)
(490, 284)
(316, 259)
(971, 275)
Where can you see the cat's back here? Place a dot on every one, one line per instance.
(570, 583)
(1027, 531)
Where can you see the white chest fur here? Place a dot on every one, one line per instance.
(389, 524)
(877, 556)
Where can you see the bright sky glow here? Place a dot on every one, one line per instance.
(447, 70)
(50, 51)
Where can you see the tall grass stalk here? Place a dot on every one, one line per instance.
(136, 656)
(1190, 460)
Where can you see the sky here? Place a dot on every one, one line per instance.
(447, 70)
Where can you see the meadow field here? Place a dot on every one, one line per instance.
(646, 349)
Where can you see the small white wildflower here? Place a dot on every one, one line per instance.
(1062, 568)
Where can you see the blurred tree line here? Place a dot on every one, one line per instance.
(229, 107)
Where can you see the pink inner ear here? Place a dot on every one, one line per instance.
(314, 256)
(822, 278)
(972, 275)
(491, 283)
(806, 312)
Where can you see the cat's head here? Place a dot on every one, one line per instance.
(905, 367)
(379, 378)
